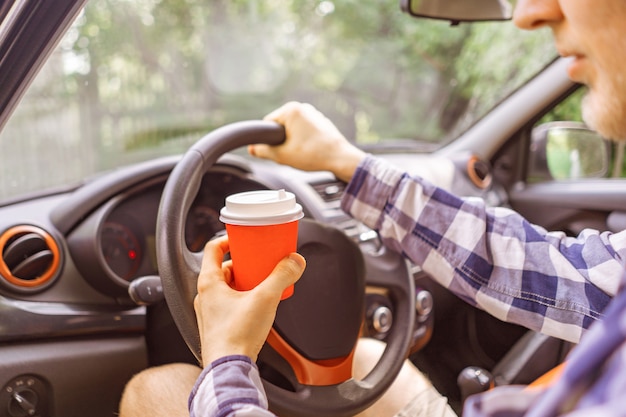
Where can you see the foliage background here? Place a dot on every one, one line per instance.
(134, 79)
(379, 73)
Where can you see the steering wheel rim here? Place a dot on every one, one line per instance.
(179, 269)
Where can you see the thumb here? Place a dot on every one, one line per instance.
(287, 272)
(260, 150)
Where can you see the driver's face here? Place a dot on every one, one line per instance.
(593, 34)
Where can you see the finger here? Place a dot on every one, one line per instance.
(280, 114)
(309, 111)
(214, 252)
(287, 272)
(227, 272)
(261, 151)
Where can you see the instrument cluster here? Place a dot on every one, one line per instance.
(125, 247)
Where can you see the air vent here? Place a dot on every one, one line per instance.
(330, 191)
(479, 172)
(30, 258)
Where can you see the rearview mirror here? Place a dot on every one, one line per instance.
(567, 150)
(459, 10)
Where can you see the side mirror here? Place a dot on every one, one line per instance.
(567, 150)
(459, 10)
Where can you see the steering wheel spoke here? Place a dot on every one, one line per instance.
(309, 372)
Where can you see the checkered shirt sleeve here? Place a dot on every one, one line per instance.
(229, 387)
(489, 256)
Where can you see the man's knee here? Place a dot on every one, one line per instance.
(159, 391)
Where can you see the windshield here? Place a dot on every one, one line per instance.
(135, 79)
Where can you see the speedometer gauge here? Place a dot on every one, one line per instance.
(121, 250)
(202, 224)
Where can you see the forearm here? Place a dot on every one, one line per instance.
(230, 386)
(491, 257)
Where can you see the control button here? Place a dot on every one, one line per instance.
(332, 190)
(23, 403)
(25, 396)
(146, 290)
(382, 319)
(423, 302)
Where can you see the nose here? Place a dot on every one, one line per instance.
(533, 14)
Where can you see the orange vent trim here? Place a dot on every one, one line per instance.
(15, 232)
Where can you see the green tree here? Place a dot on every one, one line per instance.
(157, 69)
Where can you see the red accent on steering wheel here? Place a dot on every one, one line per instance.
(319, 373)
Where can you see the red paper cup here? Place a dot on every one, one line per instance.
(262, 229)
(255, 251)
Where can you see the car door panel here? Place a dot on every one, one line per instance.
(573, 205)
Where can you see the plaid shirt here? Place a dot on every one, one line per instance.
(491, 257)
(495, 260)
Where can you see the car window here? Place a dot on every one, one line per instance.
(132, 80)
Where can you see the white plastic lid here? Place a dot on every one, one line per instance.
(261, 208)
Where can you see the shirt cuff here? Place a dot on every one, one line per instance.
(228, 385)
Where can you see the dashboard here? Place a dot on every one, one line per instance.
(68, 259)
(92, 242)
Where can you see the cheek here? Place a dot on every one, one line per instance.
(604, 109)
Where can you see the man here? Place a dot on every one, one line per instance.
(449, 237)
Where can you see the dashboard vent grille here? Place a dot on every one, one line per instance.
(30, 257)
(330, 191)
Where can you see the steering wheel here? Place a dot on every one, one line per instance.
(311, 345)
